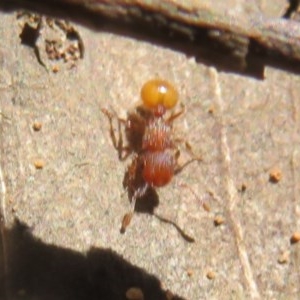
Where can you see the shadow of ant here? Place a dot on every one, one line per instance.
(147, 204)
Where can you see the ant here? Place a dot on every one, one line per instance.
(149, 133)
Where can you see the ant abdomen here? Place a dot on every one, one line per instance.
(158, 169)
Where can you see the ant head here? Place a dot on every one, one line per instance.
(159, 96)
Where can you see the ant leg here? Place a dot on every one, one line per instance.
(117, 142)
(111, 128)
(176, 115)
(120, 147)
(189, 149)
(179, 168)
(140, 192)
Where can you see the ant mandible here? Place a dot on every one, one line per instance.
(150, 138)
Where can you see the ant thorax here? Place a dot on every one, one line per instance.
(157, 135)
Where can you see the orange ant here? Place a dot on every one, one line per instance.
(150, 138)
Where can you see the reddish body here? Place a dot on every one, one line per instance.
(150, 138)
(158, 157)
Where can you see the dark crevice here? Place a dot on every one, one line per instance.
(29, 35)
(226, 51)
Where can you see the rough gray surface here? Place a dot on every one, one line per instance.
(77, 200)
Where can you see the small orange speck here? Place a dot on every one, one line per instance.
(190, 272)
(211, 275)
(211, 110)
(295, 238)
(55, 69)
(39, 164)
(134, 293)
(275, 175)
(37, 126)
(206, 207)
(219, 220)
